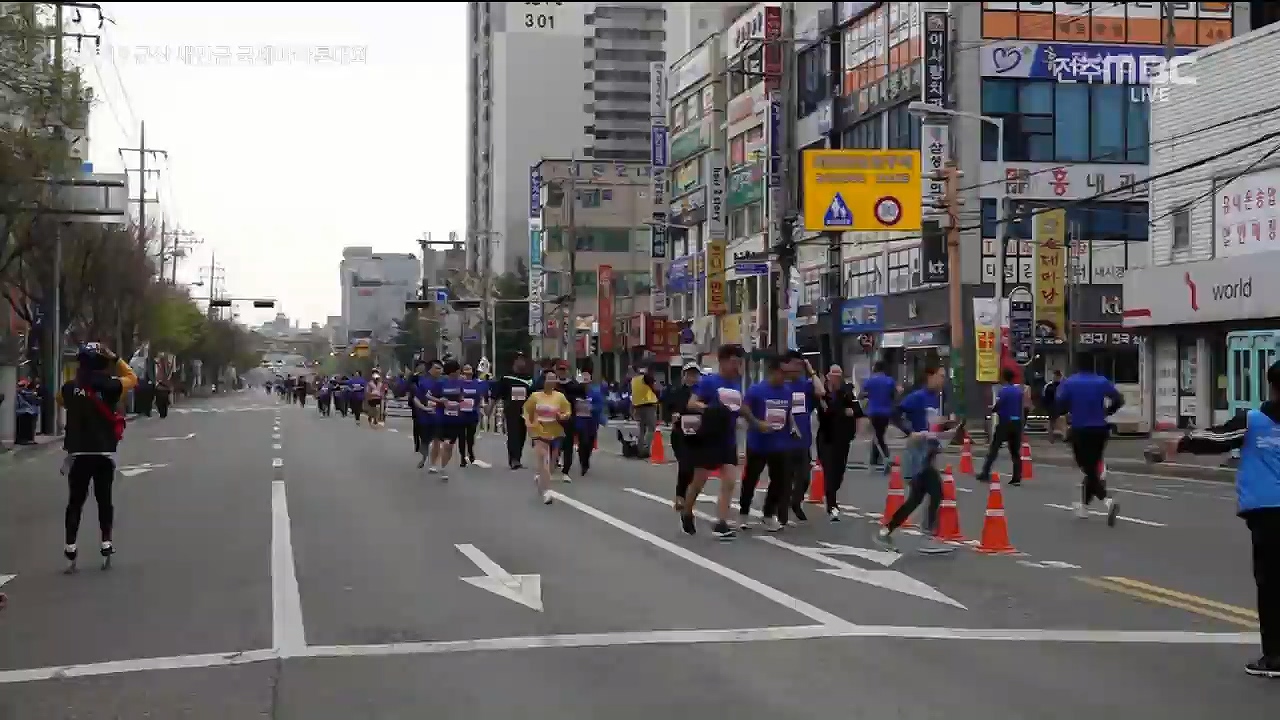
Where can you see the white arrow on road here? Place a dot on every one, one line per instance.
(188, 436)
(524, 589)
(132, 470)
(6, 578)
(886, 579)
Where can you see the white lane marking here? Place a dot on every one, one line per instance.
(6, 578)
(1055, 564)
(651, 637)
(287, 631)
(1148, 523)
(188, 436)
(275, 436)
(277, 462)
(810, 611)
(1140, 492)
(276, 446)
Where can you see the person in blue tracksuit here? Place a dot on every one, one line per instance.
(1256, 434)
(1091, 400)
(1009, 409)
(878, 391)
(588, 417)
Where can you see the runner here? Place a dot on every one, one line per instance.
(838, 416)
(355, 395)
(341, 394)
(1256, 434)
(718, 399)
(513, 390)
(879, 390)
(449, 416)
(472, 400)
(544, 413)
(1091, 400)
(770, 445)
(411, 388)
(575, 393)
(921, 421)
(93, 433)
(1011, 402)
(374, 392)
(684, 430)
(323, 397)
(806, 389)
(427, 398)
(588, 417)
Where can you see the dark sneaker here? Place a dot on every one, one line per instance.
(1113, 511)
(722, 531)
(1267, 667)
(687, 524)
(797, 511)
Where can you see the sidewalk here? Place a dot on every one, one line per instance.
(44, 443)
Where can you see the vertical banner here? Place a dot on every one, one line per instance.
(933, 88)
(1051, 275)
(658, 161)
(536, 327)
(935, 151)
(986, 340)
(715, 171)
(935, 136)
(658, 287)
(604, 307)
(934, 261)
(716, 304)
(771, 66)
(793, 308)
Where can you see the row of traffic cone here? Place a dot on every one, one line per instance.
(966, 459)
(995, 526)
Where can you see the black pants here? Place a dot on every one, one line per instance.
(1088, 446)
(1264, 527)
(879, 425)
(356, 407)
(468, 444)
(162, 405)
(926, 483)
(418, 436)
(1007, 432)
(517, 433)
(801, 467)
(682, 448)
(25, 430)
(833, 455)
(777, 497)
(88, 470)
(586, 441)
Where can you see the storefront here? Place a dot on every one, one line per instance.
(1208, 331)
(859, 324)
(916, 333)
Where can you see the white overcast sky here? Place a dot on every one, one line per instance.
(279, 166)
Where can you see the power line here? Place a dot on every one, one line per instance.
(1218, 186)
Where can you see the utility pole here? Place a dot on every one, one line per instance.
(217, 275)
(955, 295)
(143, 173)
(570, 332)
(181, 240)
(781, 171)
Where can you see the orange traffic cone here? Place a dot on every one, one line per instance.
(966, 457)
(1027, 470)
(817, 485)
(896, 496)
(995, 527)
(657, 455)
(948, 513)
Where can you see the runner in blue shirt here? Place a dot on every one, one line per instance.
(449, 415)
(1091, 400)
(1009, 408)
(878, 392)
(769, 447)
(426, 397)
(806, 387)
(473, 396)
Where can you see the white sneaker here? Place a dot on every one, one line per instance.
(1080, 510)
(834, 514)
(772, 524)
(433, 470)
(564, 478)
(546, 497)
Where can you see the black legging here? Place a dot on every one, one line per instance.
(926, 483)
(468, 451)
(833, 454)
(99, 471)
(1088, 446)
(586, 440)
(777, 496)
(517, 433)
(680, 447)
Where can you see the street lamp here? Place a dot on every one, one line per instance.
(927, 111)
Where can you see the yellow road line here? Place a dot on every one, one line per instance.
(1235, 609)
(1189, 606)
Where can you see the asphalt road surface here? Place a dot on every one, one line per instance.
(273, 563)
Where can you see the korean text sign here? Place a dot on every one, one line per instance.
(1051, 274)
(861, 190)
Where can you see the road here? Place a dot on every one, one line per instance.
(273, 563)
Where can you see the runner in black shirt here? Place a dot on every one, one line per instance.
(574, 392)
(513, 390)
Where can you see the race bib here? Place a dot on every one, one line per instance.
(451, 408)
(582, 408)
(689, 424)
(547, 413)
(519, 393)
(775, 417)
(730, 398)
(468, 404)
(798, 403)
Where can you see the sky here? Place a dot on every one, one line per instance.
(353, 134)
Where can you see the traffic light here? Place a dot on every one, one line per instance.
(219, 303)
(264, 303)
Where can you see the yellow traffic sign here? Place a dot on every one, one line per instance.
(861, 190)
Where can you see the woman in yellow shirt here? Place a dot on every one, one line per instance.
(544, 412)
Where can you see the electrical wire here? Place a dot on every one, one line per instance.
(1218, 186)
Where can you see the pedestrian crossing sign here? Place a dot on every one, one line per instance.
(838, 214)
(861, 190)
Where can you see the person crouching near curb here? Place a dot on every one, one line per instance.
(1256, 434)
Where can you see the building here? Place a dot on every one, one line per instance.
(1073, 128)
(621, 39)
(1215, 239)
(375, 287)
(611, 204)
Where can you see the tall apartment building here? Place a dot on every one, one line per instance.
(552, 80)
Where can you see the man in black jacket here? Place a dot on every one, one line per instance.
(684, 430)
(573, 391)
(513, 390)
(838, 416)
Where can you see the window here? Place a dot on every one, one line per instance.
(1045, 121)
(591, 239)
(866, 135)
(899, 271)
(738, 224)
(738, 150)
(903, 129)
(1097, 220)
(814, 71)
(863, 277)
(1182, 228)
(755, 218)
